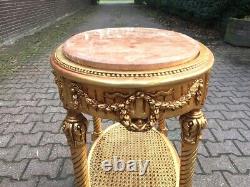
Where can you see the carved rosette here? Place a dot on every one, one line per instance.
(192, 124)
(75, 128)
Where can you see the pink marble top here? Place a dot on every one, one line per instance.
(130, 48)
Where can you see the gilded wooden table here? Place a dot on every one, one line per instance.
(138, 77)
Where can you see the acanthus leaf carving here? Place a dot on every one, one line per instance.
(75, 128)
(192, 124)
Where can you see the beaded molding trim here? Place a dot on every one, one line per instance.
(87, 71)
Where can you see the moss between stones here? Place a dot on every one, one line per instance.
(12, 56)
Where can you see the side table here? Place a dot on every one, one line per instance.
(138, 77)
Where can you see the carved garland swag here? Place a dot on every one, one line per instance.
(123, 108)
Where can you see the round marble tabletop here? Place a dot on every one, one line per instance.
(130, 49)
(131, 57)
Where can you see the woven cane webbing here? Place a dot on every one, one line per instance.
(163, 169)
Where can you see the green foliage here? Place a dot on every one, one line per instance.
(238, 8)
(203, 10)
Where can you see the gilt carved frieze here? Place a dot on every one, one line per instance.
(137, 111)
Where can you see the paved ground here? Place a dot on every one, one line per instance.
(33, 150)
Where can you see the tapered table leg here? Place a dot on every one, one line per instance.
(97, 128)
(192, 124)
(162, 126)
(75, 128)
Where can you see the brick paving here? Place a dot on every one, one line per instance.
(33, 150)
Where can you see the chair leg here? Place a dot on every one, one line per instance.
(97, 128)
(162, 126)
(192, 124)
(75, 128)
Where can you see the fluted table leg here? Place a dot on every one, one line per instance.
(75, 128)
(97, 128)
(162, 126)
(192, 124)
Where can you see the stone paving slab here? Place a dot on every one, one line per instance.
(33, 150)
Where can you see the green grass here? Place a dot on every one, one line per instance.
(12, 56)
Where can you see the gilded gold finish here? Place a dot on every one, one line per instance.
(75, 128)
(123, 109)
(59, 82)
(162, 126)
(121, 79)
(97, 122)
(163, 169)
(138, 99)
(192, 124)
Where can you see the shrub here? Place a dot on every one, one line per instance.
(203, 10)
